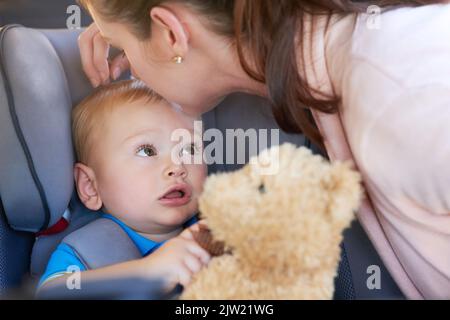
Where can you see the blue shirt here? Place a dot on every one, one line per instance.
(64, 259)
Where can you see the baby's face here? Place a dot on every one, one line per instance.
(137, 179)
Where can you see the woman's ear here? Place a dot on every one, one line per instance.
(175, 34)
(86, 185)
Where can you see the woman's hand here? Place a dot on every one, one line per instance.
(177, 260)
(94, 52)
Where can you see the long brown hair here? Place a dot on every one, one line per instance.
(267, 29)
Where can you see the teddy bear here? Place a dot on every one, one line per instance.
(275, 227)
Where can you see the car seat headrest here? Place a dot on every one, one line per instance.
(36, 153)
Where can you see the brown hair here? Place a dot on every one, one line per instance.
(88, 116)
(268, 28)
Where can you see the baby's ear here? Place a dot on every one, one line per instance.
(86, 185)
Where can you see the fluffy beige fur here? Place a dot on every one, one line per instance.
(284, 227)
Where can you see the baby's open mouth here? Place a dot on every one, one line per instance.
(177, 195)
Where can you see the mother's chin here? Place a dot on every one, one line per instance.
(196, 109)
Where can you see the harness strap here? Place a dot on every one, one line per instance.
(91, 242)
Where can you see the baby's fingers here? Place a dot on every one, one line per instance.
(184, 276)
(187, 234)
(199, 252)
(193, 263)
(203, 222)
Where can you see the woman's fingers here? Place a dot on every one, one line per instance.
(94, 52)
(100, 57)
(118, 65)
(86, 45)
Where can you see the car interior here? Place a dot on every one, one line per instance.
(41, 79)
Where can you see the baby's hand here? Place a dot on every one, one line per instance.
(203, 236)
(178, 260)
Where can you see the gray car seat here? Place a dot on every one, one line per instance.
(41, 79)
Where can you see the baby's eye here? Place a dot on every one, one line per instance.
(190, 149)
(146, 151)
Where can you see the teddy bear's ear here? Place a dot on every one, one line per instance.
(344, 186)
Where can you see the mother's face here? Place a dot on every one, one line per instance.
(194, 84)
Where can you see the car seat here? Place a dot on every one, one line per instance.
(41, 79)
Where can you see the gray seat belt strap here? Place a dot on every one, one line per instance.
(102, 243)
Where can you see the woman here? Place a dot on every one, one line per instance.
(378, 88)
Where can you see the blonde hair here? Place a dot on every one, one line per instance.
(89, 115)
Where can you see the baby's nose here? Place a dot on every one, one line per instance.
(176, 171)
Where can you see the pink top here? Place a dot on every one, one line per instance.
(394, 124)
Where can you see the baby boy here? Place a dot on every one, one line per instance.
(129, 168)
